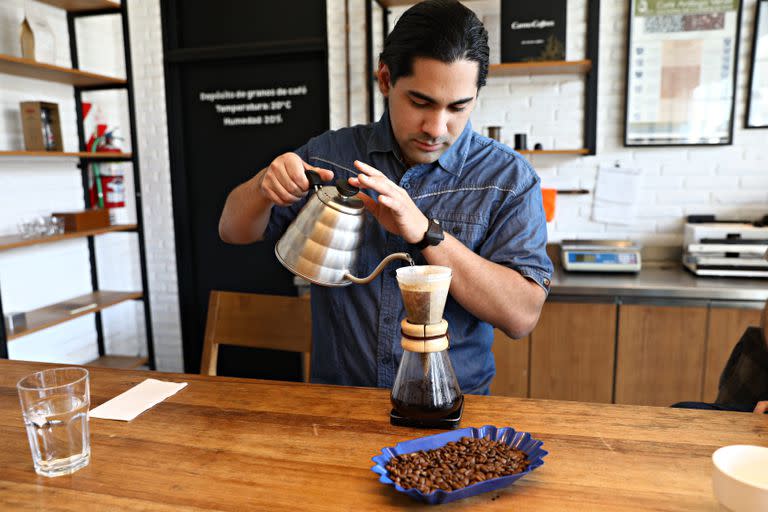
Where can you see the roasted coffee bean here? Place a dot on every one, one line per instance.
(456, 465)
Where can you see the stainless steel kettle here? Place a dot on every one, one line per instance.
(321, 243)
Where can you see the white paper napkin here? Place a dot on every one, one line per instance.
(126, 406)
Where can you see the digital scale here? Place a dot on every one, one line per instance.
(600, 256)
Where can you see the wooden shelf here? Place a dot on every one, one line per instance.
(82, 5)
(397, 3)
(104, 155)
(39, 319)
(557, 67)
(554, 67)
(16, 241)
(32, 69)
(119, 362)
(553, 151)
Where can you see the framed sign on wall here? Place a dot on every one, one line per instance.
(681, 72)
(757, 91)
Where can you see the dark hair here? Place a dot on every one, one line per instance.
(444, 30)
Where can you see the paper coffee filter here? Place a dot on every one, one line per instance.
(424, 277)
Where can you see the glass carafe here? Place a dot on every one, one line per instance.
(426, 386)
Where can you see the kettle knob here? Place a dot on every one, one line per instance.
(345, 189)
(315, 181)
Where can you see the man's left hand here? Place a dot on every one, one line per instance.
(761, 407)
(395, 210)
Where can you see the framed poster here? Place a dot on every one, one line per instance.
(681, 72)
(757, 91)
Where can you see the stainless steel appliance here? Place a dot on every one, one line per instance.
(321, 243)
(728, 249)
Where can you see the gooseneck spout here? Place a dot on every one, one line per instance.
(394, 256)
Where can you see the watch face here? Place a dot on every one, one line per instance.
(435, 231)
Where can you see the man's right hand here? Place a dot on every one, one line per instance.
(284, 182)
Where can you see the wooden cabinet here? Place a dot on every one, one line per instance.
(640, 354)
(573, 351)
(725, 327)
(660, 357)
(511, 365)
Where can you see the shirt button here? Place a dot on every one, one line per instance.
(387, 319)
(406, 185)
(386, 360)
(456, 230)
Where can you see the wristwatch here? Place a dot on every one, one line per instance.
(433, 236)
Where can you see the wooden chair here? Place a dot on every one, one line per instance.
(258, 321)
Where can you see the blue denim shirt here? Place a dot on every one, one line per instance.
(484, 194)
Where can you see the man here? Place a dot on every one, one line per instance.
(421, 162)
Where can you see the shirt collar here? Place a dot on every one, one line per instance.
(453, 159)
(383, 140)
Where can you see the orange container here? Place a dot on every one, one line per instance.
(549, 195)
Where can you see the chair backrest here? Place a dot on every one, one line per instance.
(258, 321)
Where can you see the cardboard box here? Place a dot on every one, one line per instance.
(42, 126)
(81, 221)
(27, 39)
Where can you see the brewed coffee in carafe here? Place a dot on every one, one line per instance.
(426, 392)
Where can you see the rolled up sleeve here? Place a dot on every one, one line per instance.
(517, 235)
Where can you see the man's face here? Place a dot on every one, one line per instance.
(430, 108)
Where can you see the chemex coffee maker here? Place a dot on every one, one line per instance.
(426, 393)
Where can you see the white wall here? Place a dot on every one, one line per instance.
(730, 181)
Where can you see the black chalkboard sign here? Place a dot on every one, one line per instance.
(533, 31)
(244, 83)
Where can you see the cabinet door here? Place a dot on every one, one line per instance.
(573, 351)
(511, 365)
(726, 325)
(660, 357)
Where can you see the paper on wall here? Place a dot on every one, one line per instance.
(617, 194)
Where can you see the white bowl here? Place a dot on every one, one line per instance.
(740, 477)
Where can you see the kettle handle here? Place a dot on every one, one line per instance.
(395, 256)
(315, 181)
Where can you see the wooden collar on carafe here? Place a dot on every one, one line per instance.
(424, 337)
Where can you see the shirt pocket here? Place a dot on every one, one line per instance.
(467, 229)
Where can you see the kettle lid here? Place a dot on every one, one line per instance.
(342, 197)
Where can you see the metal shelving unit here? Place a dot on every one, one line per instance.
(82, 81)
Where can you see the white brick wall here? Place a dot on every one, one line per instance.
(152, 130)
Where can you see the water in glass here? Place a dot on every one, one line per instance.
(57, 428)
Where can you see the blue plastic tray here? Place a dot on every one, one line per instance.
(508, 435)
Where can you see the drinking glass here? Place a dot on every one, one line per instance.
(54, 404)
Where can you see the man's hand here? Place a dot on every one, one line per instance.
(283, 182)
(761, 407)
(395, 210)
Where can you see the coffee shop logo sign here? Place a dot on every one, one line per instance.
(517, 25)
(253, 107)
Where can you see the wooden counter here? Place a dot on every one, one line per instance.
(234, 444)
